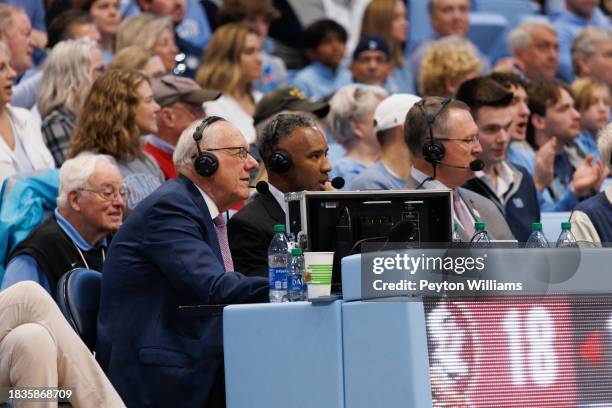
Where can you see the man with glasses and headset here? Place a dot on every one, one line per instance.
(169, 270)
(90, 208)
(443, 139)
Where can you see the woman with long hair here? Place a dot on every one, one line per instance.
(153, 33)
(69, 70)
(231, 63)
(22, 149)
(119, 110)
(387, 19)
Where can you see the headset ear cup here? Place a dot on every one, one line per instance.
(206, 164)
(280, 161)
(434, 151)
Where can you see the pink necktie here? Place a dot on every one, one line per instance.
(221, 230)
(462, 215)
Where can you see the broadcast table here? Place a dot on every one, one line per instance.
(552, 351)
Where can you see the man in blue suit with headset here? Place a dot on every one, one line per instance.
(171, 255)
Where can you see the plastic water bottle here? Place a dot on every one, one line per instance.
(295, 278)
(566, 238)
(278, 263)
(481, 237)
(537, 238)
(456, 237)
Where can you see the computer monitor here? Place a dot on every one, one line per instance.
(343, 221)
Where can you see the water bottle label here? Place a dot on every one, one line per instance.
(278, 278)
(295, 283)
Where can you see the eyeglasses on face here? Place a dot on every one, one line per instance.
(108, 194)
(241, 152)
(470, 142)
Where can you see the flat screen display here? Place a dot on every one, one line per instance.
(552, 351)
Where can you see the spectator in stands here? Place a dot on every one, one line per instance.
(351, 124)
(443, 140)
(172, 251)
(534, 49)
(258, 15)
(447, 18)
(107, 17)
(22, 149)
(561, 176)
(387, 19)
(579, 14)
(592, 54)
(154, 34)
(16, 33)
(371, 62)
(180, 100)
(391, 171)
(447, 63)
(70, 25)
(508, 186)
(135, 57)
(39, 349)
(231, 63)
(294, 151)
(520, 116)
(89, 209)
(593, 104)
(592, 218)
(70, 69)
(324, 45)
(118, 110)
(287, 100)
(192, 40)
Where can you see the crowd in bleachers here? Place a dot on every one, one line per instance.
(118, 81)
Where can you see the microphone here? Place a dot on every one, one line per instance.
(262, 187)
(337, 183)
(475, 165)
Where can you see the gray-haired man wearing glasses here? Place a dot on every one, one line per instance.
(90, 207)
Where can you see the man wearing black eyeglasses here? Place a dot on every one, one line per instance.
(90, 205)
(443, 139)
(169, 269)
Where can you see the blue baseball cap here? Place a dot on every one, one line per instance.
(371, 43)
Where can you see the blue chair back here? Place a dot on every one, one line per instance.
(78, 297)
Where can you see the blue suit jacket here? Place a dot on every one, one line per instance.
(164, 256)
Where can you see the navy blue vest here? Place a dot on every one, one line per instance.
(599, 210)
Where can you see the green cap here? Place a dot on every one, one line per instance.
(456, 226)
(536, 226)
(480, 226)
(566, 225)
(296, 251)
(279, 228)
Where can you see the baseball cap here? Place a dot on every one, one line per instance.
(287, 99)
(170, 88)
(391, 112)
(371, 43)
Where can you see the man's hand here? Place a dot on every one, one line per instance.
(39, 38)
(588, 177)
(545, 165)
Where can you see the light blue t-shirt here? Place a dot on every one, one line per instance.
(346, 168)
(377, 177)
(318, 81)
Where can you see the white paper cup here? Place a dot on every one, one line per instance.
(319, 269)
